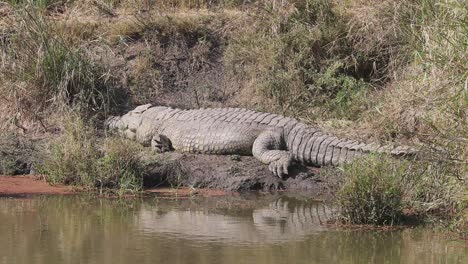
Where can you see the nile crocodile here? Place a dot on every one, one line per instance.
(273, 139)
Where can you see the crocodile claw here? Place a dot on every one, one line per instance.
(161, 143)
(279, 167)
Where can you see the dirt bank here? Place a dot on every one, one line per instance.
(193, 174)
(29, 185)
(234, 173)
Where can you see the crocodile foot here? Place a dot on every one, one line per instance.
(161, 143)
(280, 167)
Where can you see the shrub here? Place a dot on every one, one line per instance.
(372, 192)
(119, 165)
(71, 158)
(16, 153)
(80, 158)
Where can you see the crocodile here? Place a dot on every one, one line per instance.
(273, 139)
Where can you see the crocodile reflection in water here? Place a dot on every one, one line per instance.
(284, 219)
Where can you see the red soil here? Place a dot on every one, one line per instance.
(26, 185)
(30, 185)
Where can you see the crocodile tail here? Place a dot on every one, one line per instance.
(317, 148)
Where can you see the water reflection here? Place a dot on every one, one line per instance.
(284, 219)
(264, 229)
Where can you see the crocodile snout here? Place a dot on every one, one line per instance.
(112, 122)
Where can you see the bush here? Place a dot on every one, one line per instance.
(16, 153)
(119, 165)
(372, 192)
(71, 159)
(80, 158)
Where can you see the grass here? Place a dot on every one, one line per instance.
(428, 103)
(376, 189)
(71, 159)
(11, 150)
(40, 4)
(81, 158)
(16, 154)
(372, 192)
(43, 69)
(295, 60)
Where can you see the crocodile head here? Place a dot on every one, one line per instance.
(131, 120)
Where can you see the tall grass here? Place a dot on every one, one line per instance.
(42, 69)
(71, 159)
(427, 103)
(293, 56)
(376, 189)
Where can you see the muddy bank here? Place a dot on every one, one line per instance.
(234, 173)
(186, 192)
(29, 185)
(183, 175)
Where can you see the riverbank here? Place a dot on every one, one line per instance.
(197, 174)
(29, 185)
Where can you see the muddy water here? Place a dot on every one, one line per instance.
(267, 229)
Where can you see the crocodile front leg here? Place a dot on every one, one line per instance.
(267, 148)
(161, 143)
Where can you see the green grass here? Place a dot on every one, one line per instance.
(80, 158)
(372, 192)
(376, 189)
(71, 159)
(120, 166)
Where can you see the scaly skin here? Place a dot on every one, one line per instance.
(273, 139)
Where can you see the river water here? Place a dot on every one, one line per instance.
(236, 229)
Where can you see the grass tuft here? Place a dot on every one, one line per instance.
(376, 189)
(80, 158)
(372, 192)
